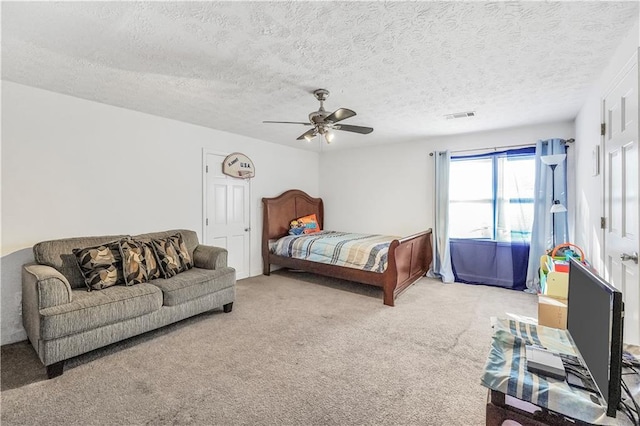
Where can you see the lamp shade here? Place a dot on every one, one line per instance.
(558, 207)
(553, 160)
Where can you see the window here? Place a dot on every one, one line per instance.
(491, 195)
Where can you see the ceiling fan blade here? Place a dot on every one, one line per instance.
(288, 122)
(355, 129)
(308, 135)
(339, 115)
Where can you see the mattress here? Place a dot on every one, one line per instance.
(359, 251)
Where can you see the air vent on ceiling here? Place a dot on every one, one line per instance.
(461, 115)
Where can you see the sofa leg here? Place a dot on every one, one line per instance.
(227, 308)
(55, 370)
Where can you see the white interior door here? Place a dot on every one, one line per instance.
(620, 169)
(227, 220)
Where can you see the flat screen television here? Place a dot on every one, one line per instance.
(595, 317)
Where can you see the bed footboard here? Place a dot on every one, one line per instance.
(409, 259)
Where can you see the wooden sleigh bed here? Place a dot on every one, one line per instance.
(409, 258)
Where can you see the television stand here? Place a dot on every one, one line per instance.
(530, 398)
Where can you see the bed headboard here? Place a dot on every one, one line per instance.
(278, 212)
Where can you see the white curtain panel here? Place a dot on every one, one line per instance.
(441, 266)
(547, 226)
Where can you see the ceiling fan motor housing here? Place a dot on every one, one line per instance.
(318, 117)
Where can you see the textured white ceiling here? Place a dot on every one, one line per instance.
(402, 66)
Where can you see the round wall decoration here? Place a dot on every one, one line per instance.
(239, 166)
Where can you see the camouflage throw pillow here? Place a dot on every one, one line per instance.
(101, 266)
(150, 261)
(167, 257)
(183, 253)
(133, 262)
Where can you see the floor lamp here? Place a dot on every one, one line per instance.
(556, 206)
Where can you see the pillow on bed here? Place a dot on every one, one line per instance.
(304, 225)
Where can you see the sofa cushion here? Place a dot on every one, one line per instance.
(134, 265)
(183, 253)
(194, 283)
(190, 238)
(90, 310)
(168, 258)
(59, 255)
(100, 265)
(151, 261)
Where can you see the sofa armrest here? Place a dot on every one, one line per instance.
(45, 286)
(209, 257)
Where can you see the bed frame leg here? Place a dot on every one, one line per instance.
(266, 269)
(388, 297)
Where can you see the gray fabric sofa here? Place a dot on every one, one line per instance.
(63, 319)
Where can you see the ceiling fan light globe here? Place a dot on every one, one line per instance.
(328, 136)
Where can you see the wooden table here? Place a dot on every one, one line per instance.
(525, 397)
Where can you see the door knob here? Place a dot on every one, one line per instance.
(633, 256)
(247, 229)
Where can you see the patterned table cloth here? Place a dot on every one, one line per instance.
(506, 372)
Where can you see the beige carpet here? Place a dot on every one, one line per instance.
(296, 350)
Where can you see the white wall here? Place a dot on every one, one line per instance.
(53, 144)
(72, 167)
(389, 189)
(589, 188)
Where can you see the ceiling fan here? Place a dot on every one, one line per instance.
(325, 123)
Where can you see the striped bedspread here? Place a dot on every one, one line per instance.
(360, 251)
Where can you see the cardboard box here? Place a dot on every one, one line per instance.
(552, 312)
